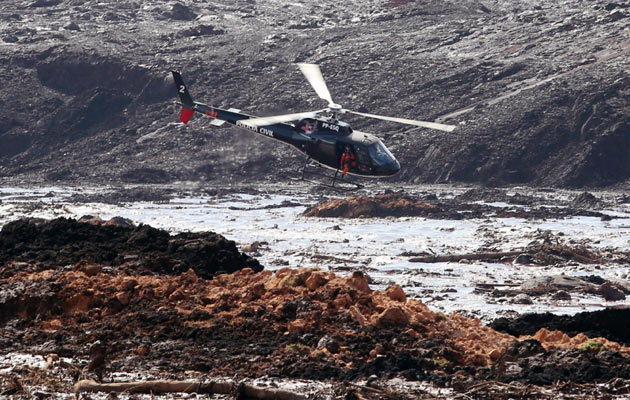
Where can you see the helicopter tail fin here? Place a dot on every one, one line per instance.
(186, 114)
(187, 101)
(185, 97)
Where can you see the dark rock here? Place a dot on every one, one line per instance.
(522, 299)
(616, 15)
(45, 3)
(146, 175)
(181, 12)
(530, 363)
(523, 259)
(329, 343)
(201, 30)
(521, 349)
(14, 143)
(10, 39)
(561, 295)
(586, 200)
(72, 26)
(610, 292)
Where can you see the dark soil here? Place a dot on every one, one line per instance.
(62, 241)
(611, 324)
(529, 362)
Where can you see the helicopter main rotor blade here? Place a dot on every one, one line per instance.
(422, 124)
(276, 119)
(314, 76)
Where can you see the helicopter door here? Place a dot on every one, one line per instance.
(324, 152)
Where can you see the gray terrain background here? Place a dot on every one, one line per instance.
(538, 89)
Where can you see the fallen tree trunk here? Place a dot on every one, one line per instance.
(165, 386)
(470, 256)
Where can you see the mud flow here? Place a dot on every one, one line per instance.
(101, 298)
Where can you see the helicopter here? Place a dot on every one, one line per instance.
(319, 134)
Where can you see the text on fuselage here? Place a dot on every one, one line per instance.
(330, 126)
(263, 131)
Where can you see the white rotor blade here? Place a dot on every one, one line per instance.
(276, 119)
(423, 124)
(314, 76)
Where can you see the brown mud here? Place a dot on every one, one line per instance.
(110, 315)
(465, 206)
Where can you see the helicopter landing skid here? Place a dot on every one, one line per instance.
(317, 174)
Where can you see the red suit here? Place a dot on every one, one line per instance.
(348, 160)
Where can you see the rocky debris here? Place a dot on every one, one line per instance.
(45, 3)
(382, 205)
(528, 361)
(557, 287)
(125, 195)
(402, 204)
(522, 298)
(180, 11)
(586, 200)
(496, 195)
(61, 242)
(610, 324)
(201, 30)
(250, 323)
(610, 291)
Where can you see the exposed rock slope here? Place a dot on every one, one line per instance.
(538, 89)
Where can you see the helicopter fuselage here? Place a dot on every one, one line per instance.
(323, 140)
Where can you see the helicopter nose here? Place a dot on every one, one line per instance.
(393, 168)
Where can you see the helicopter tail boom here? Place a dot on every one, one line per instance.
(188, 104)
(185, 97)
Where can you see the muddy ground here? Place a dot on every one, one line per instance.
(464, 206)
(103, 297)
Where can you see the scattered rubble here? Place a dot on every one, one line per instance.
(299, 323)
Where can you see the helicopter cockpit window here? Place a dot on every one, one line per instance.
(380, 154)
(307, 127)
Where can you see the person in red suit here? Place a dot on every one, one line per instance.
(348, 159)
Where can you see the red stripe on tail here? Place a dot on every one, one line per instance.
(186, 115)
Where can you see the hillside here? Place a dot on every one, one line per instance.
(538, 90)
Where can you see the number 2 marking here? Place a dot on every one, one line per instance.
(182, 88)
